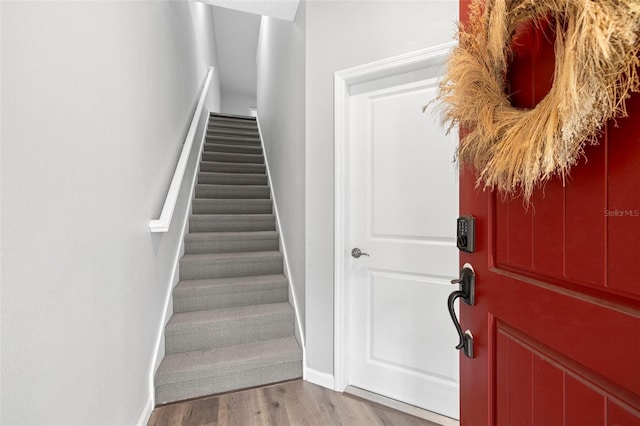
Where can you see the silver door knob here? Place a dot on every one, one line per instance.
(356, 252)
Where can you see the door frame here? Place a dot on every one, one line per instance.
(343, 80)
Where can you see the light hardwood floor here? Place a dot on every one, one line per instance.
(290, 403)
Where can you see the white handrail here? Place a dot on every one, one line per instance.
(162, 224)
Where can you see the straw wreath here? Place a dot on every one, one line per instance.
(596, 59)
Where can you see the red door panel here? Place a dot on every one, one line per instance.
(548, 388)
(623, 196)
(584, 230)
(556, 323)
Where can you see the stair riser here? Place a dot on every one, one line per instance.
(201, 270)
(212, 130)
(218, 246)
(238, 149)
(231, 126)
(237, 225)
(221, 300)
(232, 192)
(232, 179)
(213, 118)
(229, 157)
(234, 127)
(242, 140)
(230, 206)
(232, 168)
(228, 333)
(212, 384)
(232, 140)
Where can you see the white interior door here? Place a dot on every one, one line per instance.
(402, 206)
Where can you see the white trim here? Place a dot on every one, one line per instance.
(341, 298)
(342, 81)
(164, 221)
(407, 62)
(319, 378)
(146, 413)
(282, 241)
(401, 406)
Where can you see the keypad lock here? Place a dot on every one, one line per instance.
(466, 234)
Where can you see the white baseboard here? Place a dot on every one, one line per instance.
(319, 378)
(401, 406)
(283, 245)
(146, 413)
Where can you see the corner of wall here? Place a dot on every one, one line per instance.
(299, 330)
(319, 378)
(145, 415)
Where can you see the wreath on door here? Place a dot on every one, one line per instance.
(596, 68)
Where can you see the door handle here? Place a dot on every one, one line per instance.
(356, 252)
(466, 292)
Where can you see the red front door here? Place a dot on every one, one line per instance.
(556, 323)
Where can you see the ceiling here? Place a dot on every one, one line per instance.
(237, 28)
(237, 42)
(281, 9)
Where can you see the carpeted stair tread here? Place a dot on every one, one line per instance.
(237, 121)
(232, 125)
(240, 149)
(231, 117)
(217, 293)
(232, 178)
(232, 222)
(214, 206)
(233, 157)
(217, 131)
(182, 322)
(199, 330)
(220, 265)
(190, 365)
(232, 236)
(191, 374)
(221, 242)
(222, 167)
(228, 285)
(226, 258)
(232, 140)
(231, 191)
(251, 131)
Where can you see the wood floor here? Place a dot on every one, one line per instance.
(290, 403)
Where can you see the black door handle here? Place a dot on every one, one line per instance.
(466, 292)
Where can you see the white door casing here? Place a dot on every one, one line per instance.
(397, 199)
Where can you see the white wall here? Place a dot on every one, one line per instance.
(237, 42)
(237, 103)
(340, 35)
(281, 106)
(96, 101)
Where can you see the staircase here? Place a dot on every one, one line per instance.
(232, 325)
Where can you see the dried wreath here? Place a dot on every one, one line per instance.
(596, 59)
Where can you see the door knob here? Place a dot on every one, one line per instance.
(356, 252)
(466, 291)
